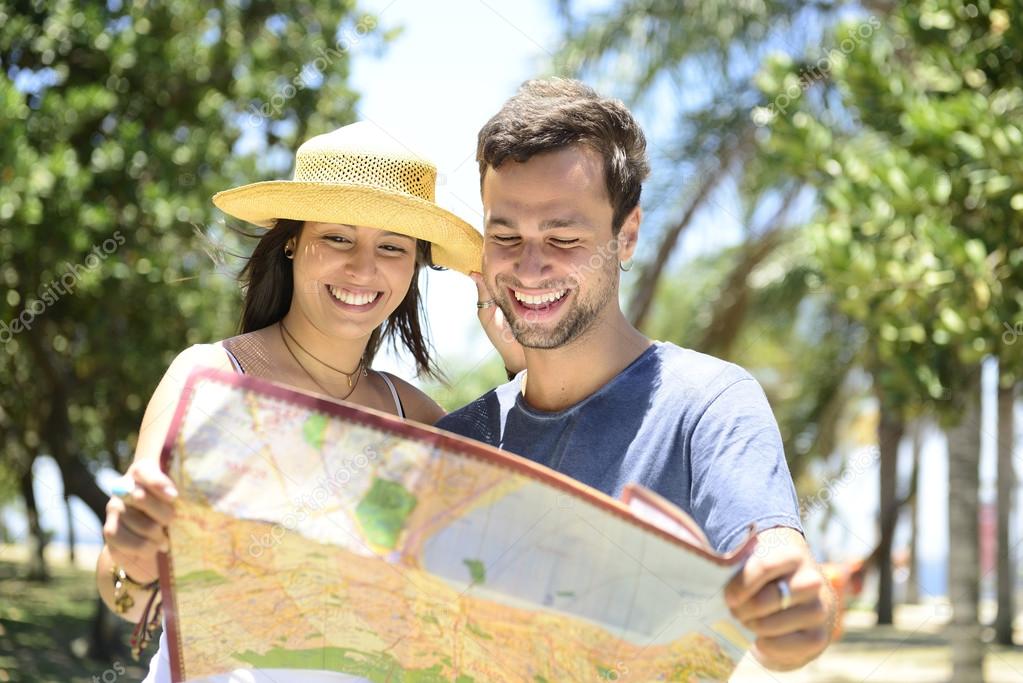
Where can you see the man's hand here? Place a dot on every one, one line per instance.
(790, 638)
(498, 330)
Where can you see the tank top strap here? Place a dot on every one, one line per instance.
(394, 393)
(234, 361)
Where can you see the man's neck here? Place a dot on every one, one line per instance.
(559, 378)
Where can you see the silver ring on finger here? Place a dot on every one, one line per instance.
(786, 594)
(486, 304)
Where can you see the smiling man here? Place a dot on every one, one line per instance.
(561, 171)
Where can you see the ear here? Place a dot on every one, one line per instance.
(629, 234)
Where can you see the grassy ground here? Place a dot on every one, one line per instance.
(44, 630)
(44, 634)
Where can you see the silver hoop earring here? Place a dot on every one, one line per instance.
(625, 265)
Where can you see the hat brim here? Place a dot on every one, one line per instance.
(456, 244)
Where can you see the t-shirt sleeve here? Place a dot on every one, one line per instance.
(739, 473)
(474, 420)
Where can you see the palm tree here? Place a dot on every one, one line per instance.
(964, 547)
(1006, 485)
(703, 68)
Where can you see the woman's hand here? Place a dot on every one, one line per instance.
(498, 330)
(135, 528)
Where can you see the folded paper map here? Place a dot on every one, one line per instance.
(318, 541)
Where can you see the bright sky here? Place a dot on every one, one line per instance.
(434, 87)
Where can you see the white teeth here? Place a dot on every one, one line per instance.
(350, 298)
(540, 298)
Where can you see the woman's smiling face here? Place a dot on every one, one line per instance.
(349, 279)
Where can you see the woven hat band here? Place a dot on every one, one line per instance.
(406, 176)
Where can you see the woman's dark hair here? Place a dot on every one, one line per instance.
(268, 284)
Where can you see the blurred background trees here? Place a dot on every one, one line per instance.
(915, 149)
(119, 121)
(119, 125)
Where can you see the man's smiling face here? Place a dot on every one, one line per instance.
(550, 256)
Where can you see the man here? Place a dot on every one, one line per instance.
(561, 171)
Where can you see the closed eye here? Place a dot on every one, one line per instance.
(564, 243)
(504, 239)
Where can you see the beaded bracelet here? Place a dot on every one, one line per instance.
(123, 602)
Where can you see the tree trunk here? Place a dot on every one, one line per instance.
(964, 543)
(70, 531)
(82, 483)
(103, 635)
(889, 434)
(912, 583)
(650, 275)
(78, 481)
(733, 301)
(37, 570)
(1006, 483)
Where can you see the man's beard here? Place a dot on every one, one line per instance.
(573, 324)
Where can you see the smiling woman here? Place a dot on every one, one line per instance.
(271, 277)
(335, 275)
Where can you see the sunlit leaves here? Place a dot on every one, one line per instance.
(119, 121)
(917, 219)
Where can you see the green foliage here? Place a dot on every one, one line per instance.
(120, 120)
(467, 383)
(915, 148)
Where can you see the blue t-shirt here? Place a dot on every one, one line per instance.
(693, 428)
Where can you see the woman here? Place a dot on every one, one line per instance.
(334, 277)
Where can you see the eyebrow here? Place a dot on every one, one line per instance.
(397, 234)
(549, 224)
(388, 233)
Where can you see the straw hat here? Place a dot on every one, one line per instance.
(359, 175)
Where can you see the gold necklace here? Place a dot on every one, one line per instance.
(310, 375)
(347, 375)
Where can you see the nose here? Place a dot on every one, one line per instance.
(362, 261)
(530, 263)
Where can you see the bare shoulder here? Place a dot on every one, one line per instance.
(161, 405)
(196, 356)
(256, 351)
(417, 404)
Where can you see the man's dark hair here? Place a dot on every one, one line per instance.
(551, 114)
